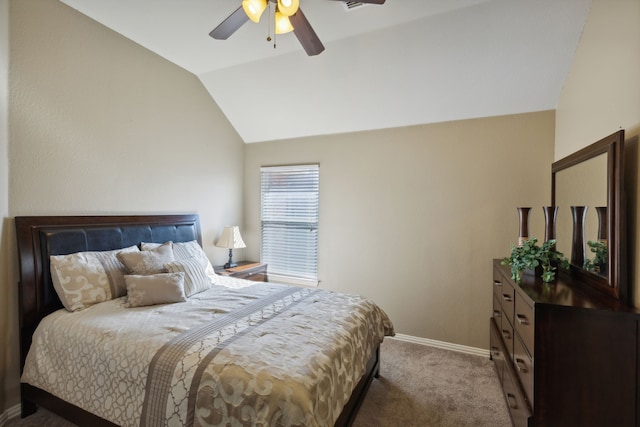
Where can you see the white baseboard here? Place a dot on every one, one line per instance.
(10, 413)
(444, 345)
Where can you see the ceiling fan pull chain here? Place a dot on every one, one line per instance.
(273, 20)
(269, 25)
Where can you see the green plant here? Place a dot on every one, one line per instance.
(530, 255)
(600, 259)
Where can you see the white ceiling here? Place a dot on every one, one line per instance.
(403, 63)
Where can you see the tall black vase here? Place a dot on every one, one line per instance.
(603, 223)
(603, 236)
(523, 229)
(550, 213)
(577, 249)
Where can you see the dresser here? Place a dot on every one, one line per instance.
(565, 354)
(249, 270)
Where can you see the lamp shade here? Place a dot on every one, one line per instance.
(231, 238)
(288, 7)
(283, 25)
(254, 8)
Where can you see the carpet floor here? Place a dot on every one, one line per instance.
(419, 386)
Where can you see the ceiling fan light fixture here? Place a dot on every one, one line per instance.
(288, 7)
(283, 25)
(254, 8)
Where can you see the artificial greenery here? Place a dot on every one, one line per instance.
(600, 250)
(530, 255)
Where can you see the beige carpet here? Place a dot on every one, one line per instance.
(422, 386)
(419, 386)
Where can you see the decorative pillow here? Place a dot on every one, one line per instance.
(186, 250)
(82, 279)
(195, 277)
(155, 289)
(148, 262)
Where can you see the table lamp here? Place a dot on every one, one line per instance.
(231, 239)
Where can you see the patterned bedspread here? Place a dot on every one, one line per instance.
(241, 354)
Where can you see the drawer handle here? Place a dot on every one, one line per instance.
(507, 297)
(522, 319)
(497, 283)
(497, 314)
(513, 402)
(521, 365)
(506, 334)
(495, 351)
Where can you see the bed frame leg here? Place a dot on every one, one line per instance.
(28, 408)
(376, 374)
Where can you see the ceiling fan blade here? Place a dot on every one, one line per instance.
(230, 25)
(305, 34)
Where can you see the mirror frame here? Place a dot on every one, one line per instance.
(615, 284)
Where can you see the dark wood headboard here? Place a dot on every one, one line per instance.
(41, 236)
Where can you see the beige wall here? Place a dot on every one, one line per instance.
(412, 217)
(4, 187)
(99, 125)
(601, 95)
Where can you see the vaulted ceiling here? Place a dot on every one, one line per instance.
(402, 63)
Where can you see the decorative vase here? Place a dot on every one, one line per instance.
(523, 230)
(536, 274)
(603, 223)
(603, 236)
(533, 272)
(577, 248)
(550, 213)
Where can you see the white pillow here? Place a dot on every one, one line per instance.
(154, 289)
(186, 250)
(195, 279)
(82, 279)
(148, 262)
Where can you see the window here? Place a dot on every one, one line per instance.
(289, 217)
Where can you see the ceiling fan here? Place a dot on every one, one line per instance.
(288, 17)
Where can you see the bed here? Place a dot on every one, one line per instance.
(233, 353)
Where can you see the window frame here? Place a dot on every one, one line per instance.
(289, 205)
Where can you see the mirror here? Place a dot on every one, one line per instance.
(584, 184)
(587, 188)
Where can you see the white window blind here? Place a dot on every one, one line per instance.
(289, 210)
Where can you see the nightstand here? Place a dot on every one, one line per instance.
(249, 270)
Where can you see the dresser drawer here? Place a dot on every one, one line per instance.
(506, 332)
(516, 402)
(497, 348)
(507, 300)
(524, 323)
(524, 367)
(497, 284)
(497, 312)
